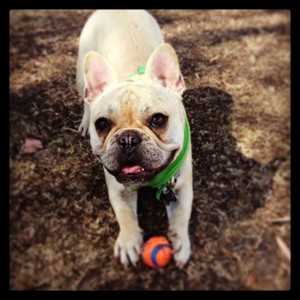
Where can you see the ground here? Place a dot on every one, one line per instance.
(236, 64)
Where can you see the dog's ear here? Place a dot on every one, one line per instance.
(163, 65)
(98, 74)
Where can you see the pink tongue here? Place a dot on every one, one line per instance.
(132, 170)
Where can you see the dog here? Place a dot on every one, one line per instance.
(132, 86)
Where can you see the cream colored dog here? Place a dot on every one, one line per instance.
(136, 120)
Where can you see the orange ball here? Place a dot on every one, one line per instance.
(157, 252)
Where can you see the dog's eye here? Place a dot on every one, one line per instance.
(158, 120)
(102, 124)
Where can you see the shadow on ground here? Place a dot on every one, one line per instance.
(227, 185)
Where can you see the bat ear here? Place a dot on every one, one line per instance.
(163, 65)
(98, 74)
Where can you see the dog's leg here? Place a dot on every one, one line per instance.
(84, 125)
(124, 203)
(179, 213)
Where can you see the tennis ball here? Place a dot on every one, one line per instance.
(157, 252)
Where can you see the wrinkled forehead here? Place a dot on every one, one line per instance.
(134, 98)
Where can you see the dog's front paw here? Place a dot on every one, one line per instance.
(181, 247)
(128, 246)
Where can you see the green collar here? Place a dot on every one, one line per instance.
(163, 179)
(141, 70)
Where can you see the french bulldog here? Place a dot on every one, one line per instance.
(135, 120)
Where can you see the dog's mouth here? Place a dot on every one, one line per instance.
(132, 170)
(137, 174)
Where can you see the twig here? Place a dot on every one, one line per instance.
(71, 129)
(281, 220)
(284, 248)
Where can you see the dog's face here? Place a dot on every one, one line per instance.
(136, 127)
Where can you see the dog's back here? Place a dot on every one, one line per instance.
(126, 38)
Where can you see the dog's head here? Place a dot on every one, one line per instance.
(136, 127)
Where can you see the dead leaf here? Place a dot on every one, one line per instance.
(31, 145)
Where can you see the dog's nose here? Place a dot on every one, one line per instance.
(128, 140)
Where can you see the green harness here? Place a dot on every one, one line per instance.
(141, 71)
(165, 177)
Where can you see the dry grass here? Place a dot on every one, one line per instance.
(62, 227)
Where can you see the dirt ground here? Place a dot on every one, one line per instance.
(236, 64)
